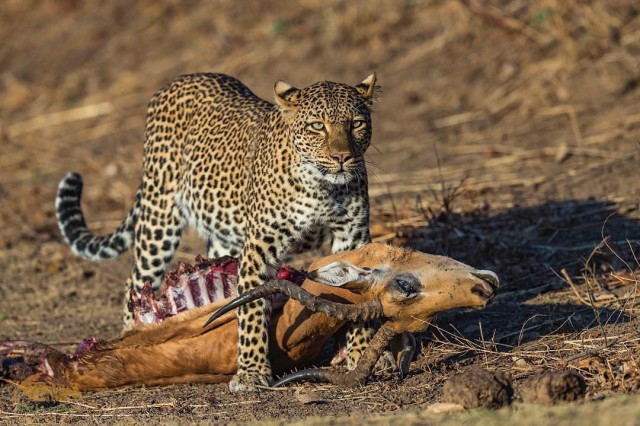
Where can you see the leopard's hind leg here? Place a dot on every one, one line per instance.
(157, 236)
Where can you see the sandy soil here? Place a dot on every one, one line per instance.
(507, 137)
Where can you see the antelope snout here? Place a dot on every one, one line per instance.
(487, 286)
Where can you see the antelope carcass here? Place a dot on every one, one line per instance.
(404, 288)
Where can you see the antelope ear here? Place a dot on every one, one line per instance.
(285, 94)
(342, 274)
(368, 88)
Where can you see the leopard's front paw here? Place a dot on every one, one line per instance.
(249, 382)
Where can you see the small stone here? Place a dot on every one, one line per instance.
(563, 152)
(111, 170)
(521, 364)
(307, 396)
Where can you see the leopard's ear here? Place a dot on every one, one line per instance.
(367, 86)
(368, 89)
(285, 94)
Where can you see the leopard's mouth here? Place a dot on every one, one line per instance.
(340, 177)
(340, 170)
(336, 169)
(334, 174)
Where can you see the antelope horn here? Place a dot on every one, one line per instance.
(357, 376)
(313, 375)
(361, 312)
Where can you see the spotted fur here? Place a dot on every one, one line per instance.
(255, 179)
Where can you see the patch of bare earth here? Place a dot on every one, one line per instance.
(507, 137)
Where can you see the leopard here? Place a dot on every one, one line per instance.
(257, 179)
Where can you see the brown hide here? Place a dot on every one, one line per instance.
(299, 333)
(180, 351)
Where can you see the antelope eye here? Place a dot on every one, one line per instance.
(317, 125)
(358, 124)
(408, 285)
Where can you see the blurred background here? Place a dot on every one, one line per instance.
(508, 89)
(506, 135)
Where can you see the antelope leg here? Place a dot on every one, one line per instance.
(355, 377)
(406, 354)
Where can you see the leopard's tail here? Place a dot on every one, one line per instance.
(74, 228)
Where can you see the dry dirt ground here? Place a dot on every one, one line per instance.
(507, 137)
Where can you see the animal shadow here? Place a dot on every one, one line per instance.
(539, 253)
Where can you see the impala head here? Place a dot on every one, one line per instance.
(411, 286)
(405, 287)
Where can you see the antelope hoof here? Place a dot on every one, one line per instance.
(406, 354)
(386, 362)
(249, 382)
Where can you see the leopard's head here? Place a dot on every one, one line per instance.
(330, 126)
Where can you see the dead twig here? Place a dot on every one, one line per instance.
(566, 278)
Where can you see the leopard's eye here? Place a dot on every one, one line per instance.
(358, 124)
(317, 126)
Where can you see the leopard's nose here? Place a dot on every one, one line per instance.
(341, 157)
